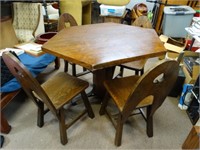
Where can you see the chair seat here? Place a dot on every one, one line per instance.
(120, 89)
(136, 64)
(60, 83)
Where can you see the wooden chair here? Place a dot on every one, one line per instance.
(54, 94)
(62, 22)
(136, 92)
(137, 66)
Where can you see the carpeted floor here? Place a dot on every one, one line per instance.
(171, 125)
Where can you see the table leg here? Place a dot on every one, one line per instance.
(5, 127)
(99, 76)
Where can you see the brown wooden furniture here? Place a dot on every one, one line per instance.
(6, 98)
(53, 94)
(192, 140)
(135, 92)
(137, 66)
(64, 19)
(6, 40)
(101, 47)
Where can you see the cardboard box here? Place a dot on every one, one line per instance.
(174, 48)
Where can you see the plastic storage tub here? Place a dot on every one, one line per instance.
(176, 18)
(107, 10)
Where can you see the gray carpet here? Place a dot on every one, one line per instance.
(171, 126)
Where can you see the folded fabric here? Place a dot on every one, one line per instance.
(34, 64)
(5, 72)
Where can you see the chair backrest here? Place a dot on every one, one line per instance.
(27, 81)
(66, 18)
(156, 82)
(26, 15)
(143, 22)
(28, 21)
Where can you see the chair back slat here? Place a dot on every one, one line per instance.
(27, 81)
(156, 82)
(66, 18)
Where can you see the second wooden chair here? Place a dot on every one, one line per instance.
(136, 92)
(62, 22)
(137, 66)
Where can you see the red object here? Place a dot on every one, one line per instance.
(42, 38)
(55, 5)
(197, 14)
(188, 46)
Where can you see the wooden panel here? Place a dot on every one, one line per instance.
(112, 19)
(192, 140)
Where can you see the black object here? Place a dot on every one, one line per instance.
(127, 17)
(193, 110)
(178, 86)
(2, 140)
(195, 90)
(5, 72)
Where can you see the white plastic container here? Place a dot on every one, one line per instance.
(176, 18)
(107, 10)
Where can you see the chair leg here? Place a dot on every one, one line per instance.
(66, 66)
(149, 123)
(63, 132)
(57, 63)
(5, 127)
(40, 121)
(74, 69)
(87, 105)
(104, 104)
(119, 129)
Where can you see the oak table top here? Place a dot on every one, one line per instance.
(101, 47)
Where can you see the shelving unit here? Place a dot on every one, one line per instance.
(192, 140)
(50, 25)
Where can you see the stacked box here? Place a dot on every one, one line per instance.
(107, 10)
(176, 18)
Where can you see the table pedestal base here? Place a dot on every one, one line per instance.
(99, 76)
